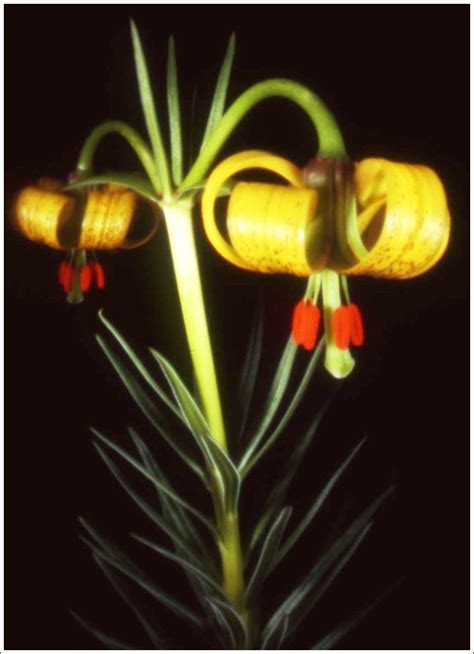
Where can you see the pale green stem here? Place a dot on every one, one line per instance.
(179, 225)
(86, 156)
(330, 139)
(178, 217)
(232, 564)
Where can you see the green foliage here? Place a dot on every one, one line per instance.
(267, 555)
(137, 183)
(119, 587)
(252, 455)
(316, 505)
(194, 536)
(156, 481)
(149, 112)
(109, 641)
(220, 93)
(189, 567)
(176, 440)
(174, 114)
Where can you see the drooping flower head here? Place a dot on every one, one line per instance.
(334, 219)
(78, 223)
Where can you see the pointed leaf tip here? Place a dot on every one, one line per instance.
(220, 93)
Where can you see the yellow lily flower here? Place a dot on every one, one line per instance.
(79, 223)
(381, 219)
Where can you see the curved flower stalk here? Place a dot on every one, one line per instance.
(328, 221)
(380, 218)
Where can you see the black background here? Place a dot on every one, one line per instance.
(396, 78)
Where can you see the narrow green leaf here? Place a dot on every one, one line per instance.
(226, 635)
(218, 101)
(109, 641)
(154, 516)
(275, 637)
(149, 112)
(277, 496)
(172, 604)
(137, 183)
(189, 408)
(134, 463)
(249, 372)
(150, 410)
(193, 569)
(174, 114)
(317, 505)
(333, 637)
(109, 548)
(105, 543)
(224, 191)
(317, 590)
(202, 554)
(173, 511)
(296, 607)
(233, 620)
(114, 581)
(327, 567)
(127, 567)
(275, 395)
(139, 365)
(191, 412)
(265, 560)
(228, 472)
(313, 362)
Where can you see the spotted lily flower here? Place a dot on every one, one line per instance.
(333, 220)
(78, 223)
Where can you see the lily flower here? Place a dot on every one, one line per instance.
(78, 223)
(333, 219)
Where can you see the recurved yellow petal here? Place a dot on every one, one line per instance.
(272, 228)
(107, 219)
(404, 219)
(41, 215)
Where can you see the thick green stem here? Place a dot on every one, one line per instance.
(233, 581)
(183, 251)
(232, 564)
(330, 139)
(86, 156)
(179, 224)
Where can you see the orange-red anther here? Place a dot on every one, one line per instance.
(306, 319)
(341, 327)
(99, 275)
(311, 326)
(298, 322)
(357, 327)
(67, 275)
(85, 278)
